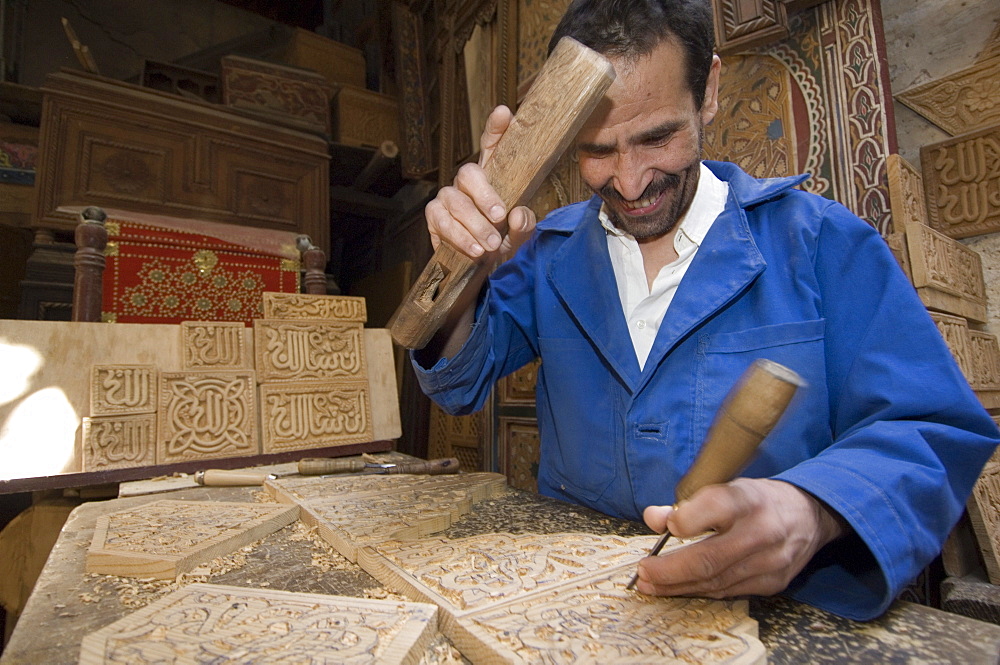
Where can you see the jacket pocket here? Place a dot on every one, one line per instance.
(578, 407)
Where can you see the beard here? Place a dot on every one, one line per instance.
(678, 190)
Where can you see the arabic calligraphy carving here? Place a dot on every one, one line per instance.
(294, 350)
(205, 415)
(215, 345)
(306, 306)
(118, 442)
(948, 275)
(314, 415)
(962, 181)
(122, 389)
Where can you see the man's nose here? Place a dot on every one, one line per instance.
(631, 177)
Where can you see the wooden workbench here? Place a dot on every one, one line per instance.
(68, 603)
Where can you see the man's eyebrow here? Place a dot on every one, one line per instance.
(656, 133)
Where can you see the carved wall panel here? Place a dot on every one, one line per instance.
(126, 147)
(314, 414)
(955, 331)
(948, 275)
(165, 538)
(123, 389)
(305, 306)
(289, 96)
(985, 355)
(365, 118)
(962, 183)
(206, 415)
(519, 388)
(204, 623)
(906, 194)
(961, 102)
(119, 442)
(297, 350)
(984, 513)
(416, 149)
(742, 24)
(217, 345)
(520, 446)
(462, 437)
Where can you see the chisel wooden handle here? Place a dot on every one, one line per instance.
(226, 478)
(432, 467)
(318, 466)
(569, 86)
(749, 412)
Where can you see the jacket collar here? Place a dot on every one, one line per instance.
(726, 264)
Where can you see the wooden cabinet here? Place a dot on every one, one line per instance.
(120, 146)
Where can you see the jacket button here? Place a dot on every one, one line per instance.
(562, 487)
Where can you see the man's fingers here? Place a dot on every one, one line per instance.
(655, 517)
(496, 125)
(715, 507)
(469, 235)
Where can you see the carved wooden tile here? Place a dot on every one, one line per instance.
(948, 275)
(314, 414)
(117, 390)
(306, 306)
(961, 102)
(208, 623)
(597, 620)
(962, 183)
(354, 521)
(214, 345)
(984, 513)
(984, 352)
(955, 331)
(297, 350)
(206, 415)
(469, 574)
(166, 538)
(906, 193)
(119, 442)
(305, 489)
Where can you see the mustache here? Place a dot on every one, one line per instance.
(654, 189)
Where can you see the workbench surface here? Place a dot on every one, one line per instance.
(68, 603)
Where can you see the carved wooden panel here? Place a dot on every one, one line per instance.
(166, 538)
(897, 245)
(119, 442)
(122, 389)
(365, 118)
(216, 345)
(984, 352)
(314, 414)
(297, 350)
(126, 147)
(207, 623)
(560, 598)
(206, 415)
(906, 193)
(336, 61)
(462, 437)
(519, 388)
(520, 446)
(416, 149)
(294, 97)
(599, 621)
(305, 306)
(469, 574)
(961, 102)
(955, 331)
(948, 275)
(742, 24)
(984, 513)
(962, 183)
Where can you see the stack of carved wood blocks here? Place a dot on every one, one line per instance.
(957, 196)
(308, 365)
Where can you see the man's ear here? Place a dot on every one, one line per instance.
(710, 106)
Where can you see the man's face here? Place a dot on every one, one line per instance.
(641, 149)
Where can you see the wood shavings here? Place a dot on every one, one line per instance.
(441, 652)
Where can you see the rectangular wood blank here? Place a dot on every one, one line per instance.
(165, 538)
(948, 275)
(984, 512)
(209, 623)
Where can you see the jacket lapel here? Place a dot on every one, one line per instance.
(583, 277)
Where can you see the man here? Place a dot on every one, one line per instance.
(647, 302)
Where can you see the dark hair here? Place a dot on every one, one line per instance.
(633, 28)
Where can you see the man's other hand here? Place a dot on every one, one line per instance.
(767, 531)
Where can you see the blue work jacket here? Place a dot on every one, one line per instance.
(887, 432)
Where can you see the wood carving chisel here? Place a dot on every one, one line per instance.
(319, 466)
(749, 412)
(234, 478)
(569, 86)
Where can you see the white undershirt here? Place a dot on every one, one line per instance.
(644, 308)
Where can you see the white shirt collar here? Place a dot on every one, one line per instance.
(708, 202)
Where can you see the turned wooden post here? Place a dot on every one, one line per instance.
(88, 282)
(314, 260)
(380, 162)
